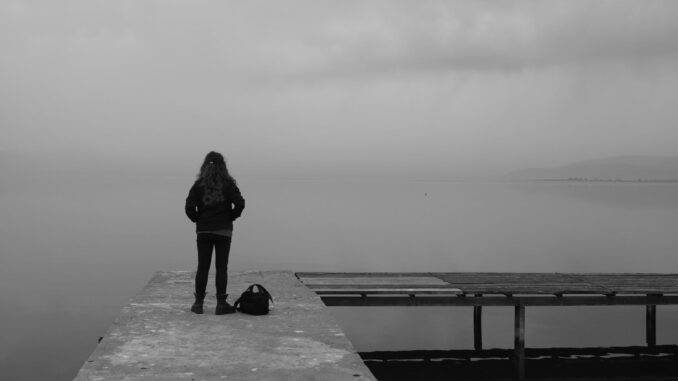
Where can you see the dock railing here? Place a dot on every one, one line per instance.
(517, 290)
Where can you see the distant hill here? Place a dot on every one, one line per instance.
(623, 168)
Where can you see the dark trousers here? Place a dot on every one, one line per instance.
(222, 246)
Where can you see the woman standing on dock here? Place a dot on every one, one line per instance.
(213, 203)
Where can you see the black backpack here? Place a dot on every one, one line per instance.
(254, 303)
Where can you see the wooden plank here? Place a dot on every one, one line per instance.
(515, 283)
(365, 290)
(389, 286)
(634, 283)
(488, 274)
(640, 289)
(512, 288)
(344, 300)
(374, 281)
(507, 283)
(519, 342)
(504, 277)
(626, 275)
(306, 274)
(665, 281)
(553, 275)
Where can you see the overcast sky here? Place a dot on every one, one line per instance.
(412, 86)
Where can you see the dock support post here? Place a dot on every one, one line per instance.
(651, 325)
(478, 326)
(519, 342)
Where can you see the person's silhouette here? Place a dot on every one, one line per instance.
(213, 203)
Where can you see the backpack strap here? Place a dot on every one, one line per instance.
(262, 290)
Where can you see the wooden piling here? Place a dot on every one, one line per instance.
(651, 325)
(478, 326)
(519, 342)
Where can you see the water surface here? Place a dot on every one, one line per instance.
(75, 247)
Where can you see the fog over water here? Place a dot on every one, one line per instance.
(74, 252)
(366, 136)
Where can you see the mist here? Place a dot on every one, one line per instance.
(312, 87)
(543, 132)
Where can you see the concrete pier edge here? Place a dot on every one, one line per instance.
(156, 337)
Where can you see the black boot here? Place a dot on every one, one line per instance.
(222, 306)
(197, 305)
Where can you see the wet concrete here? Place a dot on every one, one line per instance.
(156, 337)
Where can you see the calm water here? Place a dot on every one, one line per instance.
(73, 249)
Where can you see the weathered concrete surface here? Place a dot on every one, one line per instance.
(156, 337)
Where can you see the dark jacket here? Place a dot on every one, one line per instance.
(214, 216)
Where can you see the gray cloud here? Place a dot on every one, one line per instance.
(479, 36)
(426, 85)
(268, 39)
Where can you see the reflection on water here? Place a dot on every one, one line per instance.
(74, 248)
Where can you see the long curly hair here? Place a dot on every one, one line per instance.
(213, 176)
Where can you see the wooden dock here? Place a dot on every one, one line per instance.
(517, 290)
(156, 337)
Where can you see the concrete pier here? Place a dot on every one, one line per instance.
(156, 337)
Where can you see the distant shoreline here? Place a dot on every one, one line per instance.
(587, 180)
